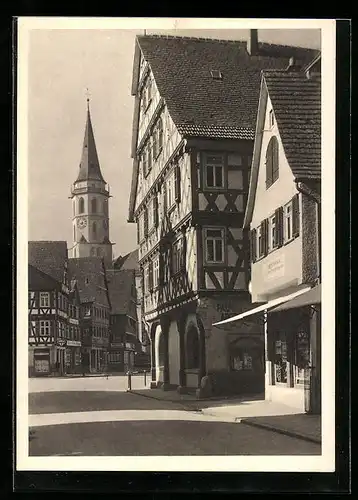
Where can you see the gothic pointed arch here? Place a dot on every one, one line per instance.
(81, 205)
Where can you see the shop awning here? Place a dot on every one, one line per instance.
(310, 298)
(268, 305)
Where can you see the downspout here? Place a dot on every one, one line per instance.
(311, 194)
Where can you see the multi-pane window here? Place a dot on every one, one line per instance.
(214, 171)
(272, 239)
(44, 299)
(146, 279)
(214, 245)
(140, 223)
(287, 222)
(272, 162)
(177, 256)
(45, 327)
(156, 272)
(170, 190)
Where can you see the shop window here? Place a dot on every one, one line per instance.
(302, 356)
(241, 361)
(281, 374)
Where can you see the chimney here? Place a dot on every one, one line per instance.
(252, 45)
(293, 65)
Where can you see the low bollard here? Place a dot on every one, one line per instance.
(129, 381)
(145, 378)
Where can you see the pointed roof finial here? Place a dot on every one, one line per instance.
(88, 97)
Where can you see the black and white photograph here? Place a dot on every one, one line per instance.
(175, 247)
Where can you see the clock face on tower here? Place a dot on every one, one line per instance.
(81, 223)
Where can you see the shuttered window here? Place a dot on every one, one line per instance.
(155, 211)
(263, 238)
(272, 163)
(146, 222)
(295, 216)
(177, 184)
(253, 245)
(279, 226)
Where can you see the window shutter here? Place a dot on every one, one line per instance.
(269, 165)
(155, 211)
(264, 232)
(295, 216)
(151, 275)
(161, 270)
(275, 165)
(183, 252)
(253, 245)
(146, 222)
(177, 184)
(165, 204)
(279, 226)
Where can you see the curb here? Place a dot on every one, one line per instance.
(279, 430)
(161, 399)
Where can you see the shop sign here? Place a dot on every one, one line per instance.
(73, 343)
(117, 344)
(61, 342)
(274, 268)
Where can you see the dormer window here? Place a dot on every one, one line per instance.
(216, 74)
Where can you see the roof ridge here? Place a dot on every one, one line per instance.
(197, 38)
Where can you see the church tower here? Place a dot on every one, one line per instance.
(90, 194)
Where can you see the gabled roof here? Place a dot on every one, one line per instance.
(128, 261)
(50, 257)
(213, 108)
(199, 105)
(296, 102)
(120, 285)
(38, 280)
(91, 279)
(89, 166)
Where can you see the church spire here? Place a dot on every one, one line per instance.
(89, 166)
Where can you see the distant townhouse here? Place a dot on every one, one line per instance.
(193, 133)
(123, 342)
(95, 306)
(54, 311)
(283, 215)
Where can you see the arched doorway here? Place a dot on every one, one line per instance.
(159, 355)
(192, 356)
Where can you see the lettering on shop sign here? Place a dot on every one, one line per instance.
(275, 268)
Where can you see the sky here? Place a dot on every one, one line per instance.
(62, 63)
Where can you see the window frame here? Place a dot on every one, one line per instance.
(170, 190)
(272, 155)
(272, 243)
(45, 328)
(214, 166)
(177, 256)
(156, 272)
(222, 238)
(287, 217)
(44, 295)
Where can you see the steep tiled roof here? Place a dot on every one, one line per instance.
(49, 257)
(89, 166)
(120, 286)
(200, 105)
(296, 102)
(91, 281)
(128, 261)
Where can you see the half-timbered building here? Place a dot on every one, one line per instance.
(92, 285)
(193, 130)
(123, 342)
(283, 215)
(54, 311)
